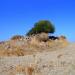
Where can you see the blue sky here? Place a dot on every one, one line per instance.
(19, 16)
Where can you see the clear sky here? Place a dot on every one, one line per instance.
(18, 16)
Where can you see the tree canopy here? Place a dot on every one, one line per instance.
(42, 26)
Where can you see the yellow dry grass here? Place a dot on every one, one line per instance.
(30, 48)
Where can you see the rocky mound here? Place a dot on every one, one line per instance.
(30, 56)
(25, 46)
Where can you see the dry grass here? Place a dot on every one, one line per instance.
(21, 48)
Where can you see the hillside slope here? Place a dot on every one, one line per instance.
(57, 62)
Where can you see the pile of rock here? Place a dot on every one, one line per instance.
(20, 46)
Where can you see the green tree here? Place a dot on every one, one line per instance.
(44, 26)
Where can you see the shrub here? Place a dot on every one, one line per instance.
(63, 37)
(42, 26)
(17, 37)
